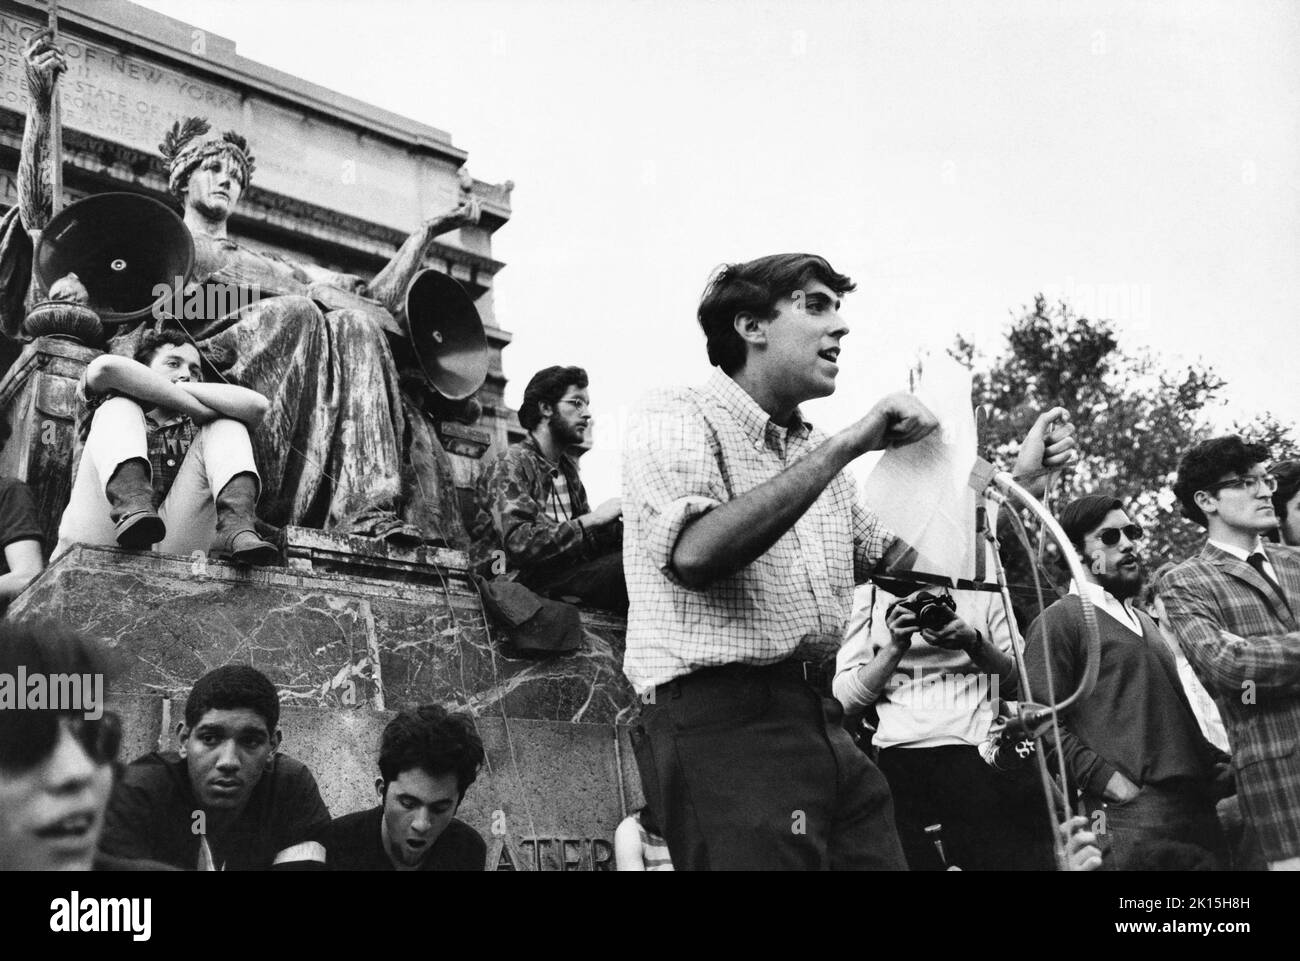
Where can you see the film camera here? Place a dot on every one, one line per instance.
(934, 611)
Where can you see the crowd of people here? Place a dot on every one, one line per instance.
(226, 797)
(744, 542)
(804, 705)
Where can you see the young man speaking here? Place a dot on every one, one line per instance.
(427, 760)
(743, 541)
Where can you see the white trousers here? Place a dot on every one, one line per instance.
(118, 433)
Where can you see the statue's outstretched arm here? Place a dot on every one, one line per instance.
(43, 62)
(389, 285)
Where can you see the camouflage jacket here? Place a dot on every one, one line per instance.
(511, 514)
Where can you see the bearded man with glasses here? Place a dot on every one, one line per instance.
(1133, 747)
(532, 509)
(1234, 609)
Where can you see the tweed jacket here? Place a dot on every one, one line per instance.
(1244, 645)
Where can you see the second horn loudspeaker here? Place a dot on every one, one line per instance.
(447, 334)
(121, 246)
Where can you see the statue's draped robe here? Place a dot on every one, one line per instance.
(330, 447)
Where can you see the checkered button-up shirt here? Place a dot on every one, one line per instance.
(689, 450)
(169, 439)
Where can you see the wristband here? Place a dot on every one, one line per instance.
(975, 645)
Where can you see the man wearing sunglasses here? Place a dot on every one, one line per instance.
(1133, 747)
(1235, 609)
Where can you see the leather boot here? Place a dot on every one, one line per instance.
(130, 500)
(237, 538)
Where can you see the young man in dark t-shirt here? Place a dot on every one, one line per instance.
(427, 760)
(20, 536)
(227, 800)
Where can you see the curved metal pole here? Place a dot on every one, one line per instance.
(1038, 718)
(1093, 663)
(1050, 798)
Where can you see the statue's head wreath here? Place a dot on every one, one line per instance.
(187, 145)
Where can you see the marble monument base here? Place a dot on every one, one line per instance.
(325, 640)
(346, 652)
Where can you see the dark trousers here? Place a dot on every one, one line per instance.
(598, 582)
(987, 821)
(1132, 834)
(748, 768)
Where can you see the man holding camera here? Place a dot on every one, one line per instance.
(934, 666)
(1133, 747)
(744, 539)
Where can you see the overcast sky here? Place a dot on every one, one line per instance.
(1141, 160)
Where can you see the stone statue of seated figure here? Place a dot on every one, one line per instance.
(314, 344)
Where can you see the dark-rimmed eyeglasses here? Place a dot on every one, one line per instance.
(29, 736)
(1110, 535)
(1249, 484)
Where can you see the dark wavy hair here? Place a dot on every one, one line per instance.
(1206, 463)
(51, 648)
(432, 739)
(232, 687)
(1084, 513)
(755, 287)
(154, 340)
(547, 387)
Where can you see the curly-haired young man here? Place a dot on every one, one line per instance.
(428, 758)
(1234, 608)
(227, 799)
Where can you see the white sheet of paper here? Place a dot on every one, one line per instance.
(922, 492)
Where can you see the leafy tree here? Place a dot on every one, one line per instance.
(1268, 430)
(1134, 416)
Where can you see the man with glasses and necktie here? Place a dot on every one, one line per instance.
(1234, 610)
(1133, 747)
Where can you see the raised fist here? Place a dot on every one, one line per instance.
(42, 62)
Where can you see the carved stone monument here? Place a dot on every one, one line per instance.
(350, 630)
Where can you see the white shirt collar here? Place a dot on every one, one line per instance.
(1122, 611)
(1241, 555)
(1237, 552)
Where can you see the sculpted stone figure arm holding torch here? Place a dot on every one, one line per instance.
(43, 62)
